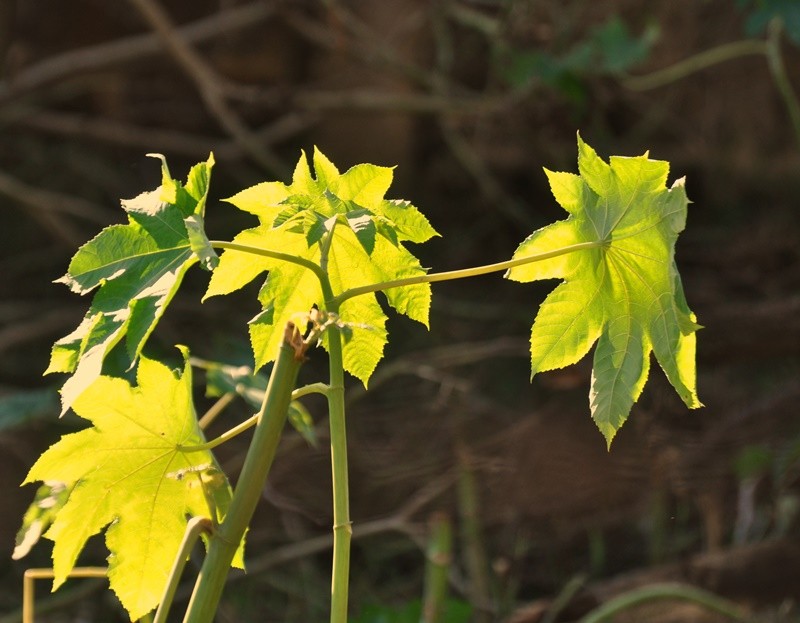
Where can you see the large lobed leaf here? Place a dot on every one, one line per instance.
(136, 269)
(367, 248)
(625, 293)
(131, 473)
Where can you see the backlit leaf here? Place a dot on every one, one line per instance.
(136, 270)
(368, 232)
(133, 477)
(623, 293)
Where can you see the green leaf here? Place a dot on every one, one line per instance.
(133, 477)
(136, 268)
(624, 293)
(339, 221)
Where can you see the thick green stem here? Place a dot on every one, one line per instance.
(342, 527)
(683, 592)
(225, 541)
(463, 273)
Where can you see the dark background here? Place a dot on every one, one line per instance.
(470, 99)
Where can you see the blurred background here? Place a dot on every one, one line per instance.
(469, 99)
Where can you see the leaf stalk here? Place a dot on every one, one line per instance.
(464, 272)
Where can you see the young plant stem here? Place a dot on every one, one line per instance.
(276, 255)
(225, 541)
(215, 409)
(313, 388)
(464, 272)
(342, 526)
(194, 528)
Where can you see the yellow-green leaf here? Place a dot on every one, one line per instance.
(622, 290)
(342, 223)
(136, 269)
(134, 477)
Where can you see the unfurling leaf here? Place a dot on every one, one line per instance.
(136, 269)
(343, 223)
(624, 292)
(125, 470)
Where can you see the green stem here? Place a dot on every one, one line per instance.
(226, 539)
(693, 64)
(463, 273)
(342, 526)
(313, 388)
(778, 71)
(665, 591)
(194, 528)
(277, 255)
(215, 409)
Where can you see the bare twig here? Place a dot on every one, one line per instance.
(365, 45)
(209, 84)
(460, 148)
(49, 208)
(22, 331)
(401, 102)
(160, 139)
(128, 49)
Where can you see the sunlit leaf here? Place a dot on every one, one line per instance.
(136, 270)
(625, 293)
(368, 232)
(134, 475)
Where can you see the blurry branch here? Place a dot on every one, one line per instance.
(444, 98)
(402, 102)
(778, 70)
(693, 64)
(48, 209)
(488, 26)
(491, 188)
(159, 139)
(367, 45)
(22, 331)
(730, 51)
(209, 84)
(132, 48)
(7, 15)
(429, 364)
